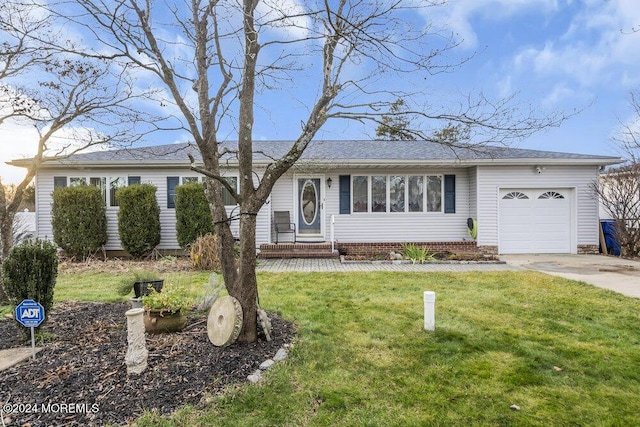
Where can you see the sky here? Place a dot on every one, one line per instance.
(558, 55)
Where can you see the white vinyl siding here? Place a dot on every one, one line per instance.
(579, 178)
(156, 177)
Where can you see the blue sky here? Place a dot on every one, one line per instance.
(557, 54)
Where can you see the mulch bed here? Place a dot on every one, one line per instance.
(83, 366)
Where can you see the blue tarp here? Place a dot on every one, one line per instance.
(609, 231)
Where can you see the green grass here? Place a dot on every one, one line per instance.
(103, 287)
(566, 353)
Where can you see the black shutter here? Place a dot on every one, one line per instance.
(134, 180)
(345, 194)
(59, 181)
(449, 194)
(172, 183)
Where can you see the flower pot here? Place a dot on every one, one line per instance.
(142, 287)
(159, 321)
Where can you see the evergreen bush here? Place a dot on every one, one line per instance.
(79, 220)
(193, 216)
(138, 219)
(30, 272)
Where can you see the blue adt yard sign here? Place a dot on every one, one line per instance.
(30, 313)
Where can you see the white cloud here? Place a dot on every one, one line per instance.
(285, 17)
(598, 47)
(457, 15)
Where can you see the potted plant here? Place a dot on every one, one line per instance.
(164, 311)
(141, 281)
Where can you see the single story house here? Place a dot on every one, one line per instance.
(368, 196)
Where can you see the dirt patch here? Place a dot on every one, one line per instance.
(117, 266)
(83, 366)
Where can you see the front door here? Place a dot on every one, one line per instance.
(309, 207)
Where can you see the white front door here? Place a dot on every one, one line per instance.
(310, 208)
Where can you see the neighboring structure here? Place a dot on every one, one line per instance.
(374, 194)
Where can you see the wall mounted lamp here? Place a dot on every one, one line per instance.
(329, 181)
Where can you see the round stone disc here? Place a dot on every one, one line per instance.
(225, 321)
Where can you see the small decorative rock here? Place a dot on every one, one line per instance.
(137, 353)
(515, 407)
(281, 354)
(256, 377)
(266, 364)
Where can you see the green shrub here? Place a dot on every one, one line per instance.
(204, 253)
(30, 271)
(138, 219)
(193, 216)
(79, 220)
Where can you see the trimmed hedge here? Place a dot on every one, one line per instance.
(79, 220)
(193, 216)
(138, 219)
(30, 272)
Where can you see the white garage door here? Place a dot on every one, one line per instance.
(535, 221)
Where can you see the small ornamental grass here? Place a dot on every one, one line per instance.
(417, 254)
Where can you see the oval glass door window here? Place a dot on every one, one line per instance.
(309, 202)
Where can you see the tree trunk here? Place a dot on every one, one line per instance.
(6, 234)
(245, 287)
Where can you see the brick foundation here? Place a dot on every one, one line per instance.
(589, 249)
(381, 250)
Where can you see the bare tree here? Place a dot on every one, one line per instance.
(619, 193)
(72, 103)
(216, 59)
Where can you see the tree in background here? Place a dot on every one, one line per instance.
(217, 61)
(619, 188)
(73, 103)
(395, 125)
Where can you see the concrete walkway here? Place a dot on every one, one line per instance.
(607, 272)
(323, 264)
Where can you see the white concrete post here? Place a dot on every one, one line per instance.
(137, 353)
(429, 311)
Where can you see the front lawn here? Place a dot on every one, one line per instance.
(565, 353)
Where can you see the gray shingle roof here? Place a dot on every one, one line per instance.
(349, 151)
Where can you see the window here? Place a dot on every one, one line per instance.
(101, 183)
(416, 194)
(551, 195)
(76, 181)
(396, 193)
(226, 195)
(360, 194)
(172, 183)
(434, 194)
(390, 193)
(114, 184)
(189, 179)
(517, 195)
(59, 181)
(378, 194)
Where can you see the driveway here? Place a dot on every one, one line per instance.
(616, 274)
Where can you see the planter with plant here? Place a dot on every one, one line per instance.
(164, 311)
(142, 282)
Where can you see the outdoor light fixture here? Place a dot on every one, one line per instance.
(539, 169)
(329, 181)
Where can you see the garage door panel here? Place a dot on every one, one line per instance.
(535, 225)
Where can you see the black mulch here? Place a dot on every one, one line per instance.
(83, 366)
